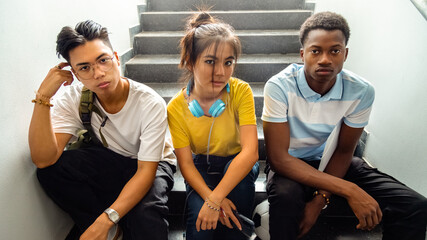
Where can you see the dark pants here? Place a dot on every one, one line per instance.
(242, 196)
(84, 182)
(404, 210)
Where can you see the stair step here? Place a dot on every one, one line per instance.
(272, 19)
(167, 91)
(253, 41)
(185, 5)
(171, 89)
(164, 68)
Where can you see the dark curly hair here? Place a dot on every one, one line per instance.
(70, 38)
(327, 21)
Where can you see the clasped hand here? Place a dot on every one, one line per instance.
(208, 218)
(366, 209)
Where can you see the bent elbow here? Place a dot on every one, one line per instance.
(43, 161)
(255, 157)
(275, 161)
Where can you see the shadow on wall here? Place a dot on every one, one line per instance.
(421, 5)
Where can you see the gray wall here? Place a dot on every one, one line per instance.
(28, 32)
(388, 46)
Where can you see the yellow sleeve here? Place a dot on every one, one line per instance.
(177, 123)
(245, 105)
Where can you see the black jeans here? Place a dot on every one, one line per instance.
(84, 182)
(404, 210)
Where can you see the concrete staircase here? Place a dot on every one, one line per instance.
(268, 30)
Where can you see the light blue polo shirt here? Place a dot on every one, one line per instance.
(312, 117)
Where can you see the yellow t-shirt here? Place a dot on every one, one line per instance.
(225, 138)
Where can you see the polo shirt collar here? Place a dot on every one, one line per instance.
(335, 92)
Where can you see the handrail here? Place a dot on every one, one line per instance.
(421, 5)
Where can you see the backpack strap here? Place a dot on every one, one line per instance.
(85, 109)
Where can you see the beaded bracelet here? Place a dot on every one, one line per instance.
(324, 197)
(39, 101)
(208, 199)
(42, 97)
(211, 207)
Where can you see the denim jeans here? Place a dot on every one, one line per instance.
(242, 196)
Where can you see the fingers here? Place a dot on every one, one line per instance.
(227, 222)
(362, 223)
(207, 219)
(66, 75)
(198, 222)
(302, 231)
(366, 209)
(62, 65)
(205, 224)
(234, 219)
(369, 223)
(221, 219)
(370, 220)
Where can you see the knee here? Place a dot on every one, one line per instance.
(194, 204)
(420, 210)
(286, 194)
(147, 212)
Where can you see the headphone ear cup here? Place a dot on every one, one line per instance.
(195, 108)
(217, 108)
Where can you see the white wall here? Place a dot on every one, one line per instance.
(388, 46)
(28, 32)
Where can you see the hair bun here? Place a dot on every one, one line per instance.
(200, 19)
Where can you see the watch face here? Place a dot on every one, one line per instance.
(114, 217)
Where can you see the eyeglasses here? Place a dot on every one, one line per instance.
(86, 71)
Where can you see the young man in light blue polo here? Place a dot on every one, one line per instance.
(303, 104)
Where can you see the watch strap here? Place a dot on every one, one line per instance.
(113, 215)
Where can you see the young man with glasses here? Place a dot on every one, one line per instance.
(124, 184)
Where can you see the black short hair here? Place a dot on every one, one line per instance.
(70, 38)
(327, 21)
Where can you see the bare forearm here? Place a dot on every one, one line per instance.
(41, 138)
(240, 167)
(303, 173)
(338, 167)
(196, 181)
(241, 164)
(44, 146)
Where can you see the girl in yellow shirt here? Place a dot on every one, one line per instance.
(213, 126)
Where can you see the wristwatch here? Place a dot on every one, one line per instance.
(112, 215)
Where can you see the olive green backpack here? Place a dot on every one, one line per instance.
(86, 137)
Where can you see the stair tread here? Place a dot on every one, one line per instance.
(170, 89)
(229, 12)
(271, 32)
(243, 59)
